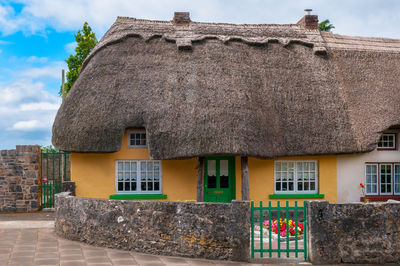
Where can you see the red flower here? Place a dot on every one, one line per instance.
(361, 185)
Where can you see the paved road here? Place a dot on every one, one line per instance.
(29, 239)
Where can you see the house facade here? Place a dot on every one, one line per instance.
(188, 111)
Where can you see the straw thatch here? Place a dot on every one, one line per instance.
(212, 89)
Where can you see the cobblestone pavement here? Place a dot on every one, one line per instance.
(40, 246)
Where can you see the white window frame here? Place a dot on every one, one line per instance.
(136, 131)
(377, 178)
(394, 178)
(391, 179)
(138, 178)
(315, 191)
(390, 147)
(378, 184)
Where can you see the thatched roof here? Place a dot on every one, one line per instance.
(211, 89)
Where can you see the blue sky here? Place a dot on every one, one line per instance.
(36, 37)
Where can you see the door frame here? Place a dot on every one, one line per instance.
(231, 172)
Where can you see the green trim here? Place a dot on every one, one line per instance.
(296, 196)
(138, 196)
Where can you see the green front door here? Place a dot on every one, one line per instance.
(219, 179)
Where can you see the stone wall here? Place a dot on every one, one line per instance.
(353, 233)
(189, 229)
(19, 174)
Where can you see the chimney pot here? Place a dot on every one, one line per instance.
(181, 18)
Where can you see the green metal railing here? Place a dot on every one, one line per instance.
(53, 172)
(275, 245)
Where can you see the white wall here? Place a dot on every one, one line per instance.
(351, 171)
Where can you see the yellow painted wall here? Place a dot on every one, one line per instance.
(94, 174)
(261, 178)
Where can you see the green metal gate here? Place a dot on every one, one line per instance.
(279, 230)
(53, 171)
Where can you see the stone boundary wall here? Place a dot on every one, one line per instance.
(189, 229)
(19, 174)
(353, 233)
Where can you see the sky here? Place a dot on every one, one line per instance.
(36, 36)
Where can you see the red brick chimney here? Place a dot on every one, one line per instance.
(181, 18)
(309, 21)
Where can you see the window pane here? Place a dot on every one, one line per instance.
(150, 175)
(150, 186)
(224, 181)
(133, 186)
(291, 186)
(156, 175)
(223, 167)
(300, 186)
(211, 168)
(120, 176)
(143, 186)
(127, 176)
(143, 166)
(284, 186)
(278, 176)
(278, 166)
(156, 166)
(134, 176)
(299, 166)
(143, 175)
(150, 166)
(397, 179)
(284, 176)
(212, 174)
(127, 186)
(386, 178)
(371, 178)
(127, 166)
(133, 166)
(278, 186)
(312, 185)
(120, 186)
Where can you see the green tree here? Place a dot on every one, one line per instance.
(326, 25)
(86, 40)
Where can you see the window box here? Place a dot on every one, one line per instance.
(296, 196)
(138, 196)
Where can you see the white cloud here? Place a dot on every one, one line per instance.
(50, 71)
(35, 59)
(27, 125)
(39, 106)
(70, 47)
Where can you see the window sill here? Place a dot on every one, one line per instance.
(296, 196)
(380, 197)
(138, 196)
